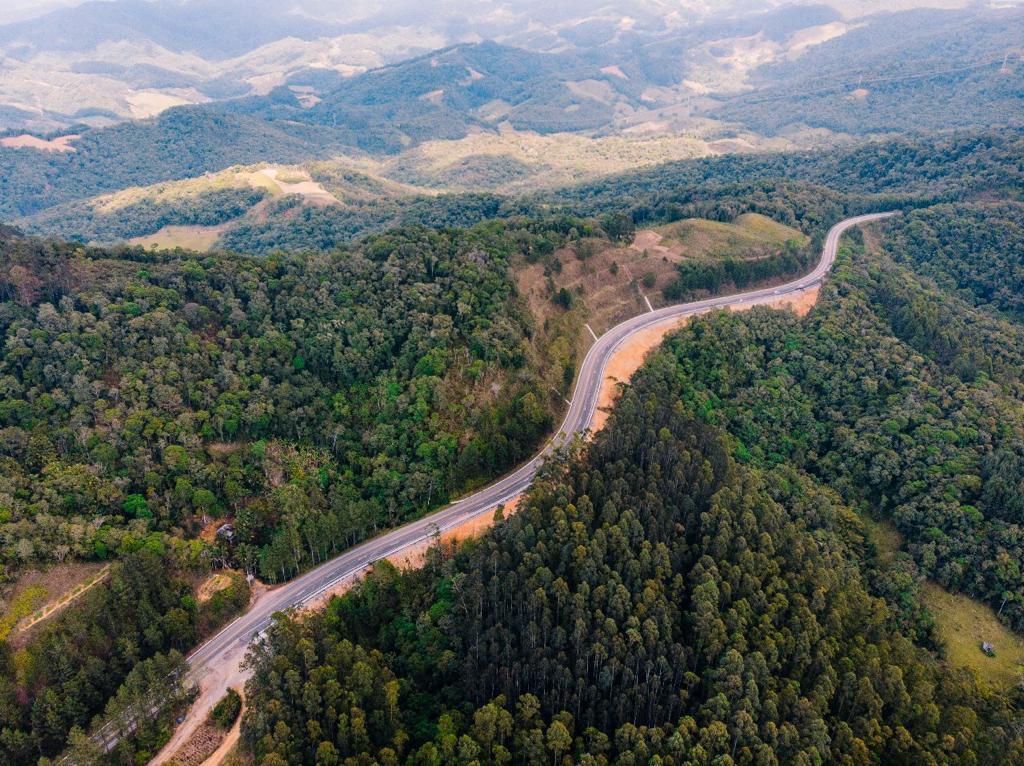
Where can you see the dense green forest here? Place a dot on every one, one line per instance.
(290, 226)
(901, 396)
(654, 600)
(974, 250)
(314, 399)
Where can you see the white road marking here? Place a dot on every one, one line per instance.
(253, 617)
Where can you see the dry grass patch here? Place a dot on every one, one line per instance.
(200, 746)
(611, 281)
(26, 141)
(887, 539)
(963, 624)
(607, 282)
(749, 236)
(291, 180)
(215, 583)
(199, 238)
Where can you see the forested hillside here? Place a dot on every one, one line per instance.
(899, 395)
(313, 399)
(443, 94)
(291, 292)
(180, 143)
(120, 649)
(698, 584)
(922, 70)
(695, 585)
(290, 226)
(955, 167)
(653, 601)
(806, 190)
(974, 250)
(93, 221)
(784, 186)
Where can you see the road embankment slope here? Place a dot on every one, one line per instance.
(216, 664)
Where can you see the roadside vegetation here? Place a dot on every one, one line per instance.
(264, 412)
(653, 599)
(225, 712)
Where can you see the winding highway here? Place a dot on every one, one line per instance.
(227, 647)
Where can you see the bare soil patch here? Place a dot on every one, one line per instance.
(629, 358)
(299, 182)
(148, 103)
(215, 583)
(204, 742)
(209, 531)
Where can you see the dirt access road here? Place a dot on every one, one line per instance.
(216, 664)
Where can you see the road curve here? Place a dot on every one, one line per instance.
(227, 645)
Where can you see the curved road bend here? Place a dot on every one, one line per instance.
(228, 646)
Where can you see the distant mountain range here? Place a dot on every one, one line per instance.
(786, 76)
(104, 61)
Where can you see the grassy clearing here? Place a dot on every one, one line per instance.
(884, 535)
(263, 181)
(749, 236)
(188, 237)
(963, 624)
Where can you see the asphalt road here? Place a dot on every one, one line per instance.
(229, 644)
(584, 403)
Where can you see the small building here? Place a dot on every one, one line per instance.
(988, 648)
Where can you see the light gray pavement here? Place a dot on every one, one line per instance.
(215, 664)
